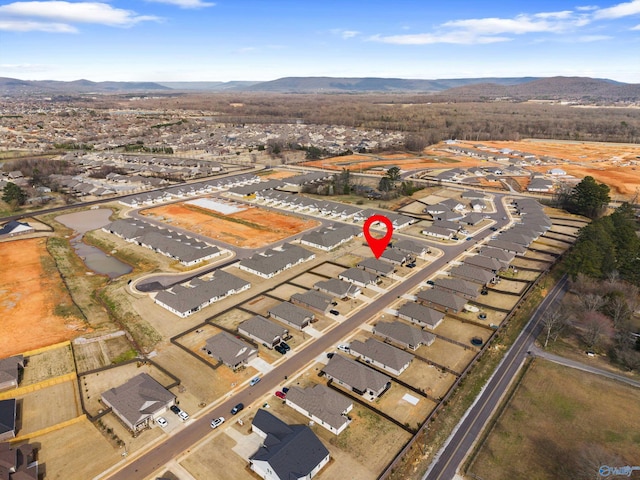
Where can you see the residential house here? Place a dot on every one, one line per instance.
(403, 334)
(423, 316)
(447, 224)
(328, 239)
(507, 246)
(376, 267)
(292, 315)
(324, 406)
(478, 205)
(459, 287)
(498, 254)
(358, 277)
(491, 264)
(314, 300)
(10, 371)
(287, 452)
(356, 377)
(442, 299)
(556, 172)
(438, 232)
(8, 410)
(472, 219)
(540, 184)
(230, 350)
(411, 248)
(263, 331)
(515, 237)
(337, 288)
(382, 355)
(15, 228)
(272, 262)
(473, 274)
(138, 400)
(188, 298)
(393, 256)
(18, 463)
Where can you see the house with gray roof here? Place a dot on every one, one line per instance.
(498, 254)
(272, 262)
(512, 247)
(328, 239)
(382, 355)
(287, 452)
(411, 247)
(421, 315)
(358, 277)
(356, 377)
(188, 298)
(337, 288)
(442, 299)
(474, 194)
(458, 286)
(493, 265)
(514, 237)
(473, 274)
(15, 228)
(447, 224)
(472, 219)
(376, 267)
(230, 350)
(10, 371)
(393, 256)
(314, 300)
(138, 401)
(324, 406)
(18, 463)
(292, 315)
(438, 232)
(263, 331)
(403, 334)
(8, 410)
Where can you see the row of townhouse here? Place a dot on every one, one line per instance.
(274, 261)
(188, 251)
(189, 190)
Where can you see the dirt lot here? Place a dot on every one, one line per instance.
(49, 406)
(544, 243)
(447, 354)
(36, 309)
(285, 291)
(430, 379)
(610, 163)
(260, 305)
(520, 262)
(46, 365)
(392, 404)
(527, 275)
(329, 270)
(78, 451)
(215, 459)
(459, 331)
(557, 419)
(231, 318)
(497, 300)
(510, 286)
(101, 353)
(95, 383)
(254, 227)
(543, 257)
(307, 280)
(494, 317)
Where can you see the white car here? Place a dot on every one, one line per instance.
(216, 422)
(344, 348)
(183, 415)
(162, 422)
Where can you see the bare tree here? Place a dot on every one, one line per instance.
(596, 326)
(591, 302)
(554, 323)
(591, 458)
(612, 278)
(618, 310)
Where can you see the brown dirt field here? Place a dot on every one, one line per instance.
(49, 406)
(424, 376)
(447, 354)
(31, 296)
(278, 175)
(254, 227)
(459, 331)
(610, 163)
(46, 365)
(328, 270)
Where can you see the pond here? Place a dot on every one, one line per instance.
(94, 258)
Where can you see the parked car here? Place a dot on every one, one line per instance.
(216, 422)
(469, 238)
(183, 415)
(482, 316)
(335, 304)
(175, 409)
(254, 381)
(281, 395)
(285, 345)
(162, 422)
(330, 355)
(285, 389)
(411, 265)
(430, 282)
(344, 348)
(334, 312)
(455, 237)
(237, 408)
(280, 349)
(484, 291)
(493, 229)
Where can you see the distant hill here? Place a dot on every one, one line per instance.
(553, 88)
(207, 86)
(13, 86)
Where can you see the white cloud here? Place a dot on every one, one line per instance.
(594, 38)
(586, 8)
(346, 34)
(58, 16)
(461, 38)
(553, 22)
(620, 10)
(185, 3)
(637, 27)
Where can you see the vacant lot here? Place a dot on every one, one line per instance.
(48, 364)
(216, 460)
(254, 227)
(569, 422)
(564, 230)
(35, 307)
(428, 378)
(260, 305)
(231, 318)
(307, 280)
(510, 286)
(393, 404)
(49, 406)
(102, 352)
(459, 331)
(520, 262)
(329, 270)
(284, 291)
(448, 354)
(497, 300)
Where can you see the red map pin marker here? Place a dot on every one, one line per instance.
(377, 245)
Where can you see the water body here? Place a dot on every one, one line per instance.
(93, 257)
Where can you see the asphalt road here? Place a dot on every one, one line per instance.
(150, 461)
(468, 430)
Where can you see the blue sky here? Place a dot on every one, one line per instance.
(202, 40)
